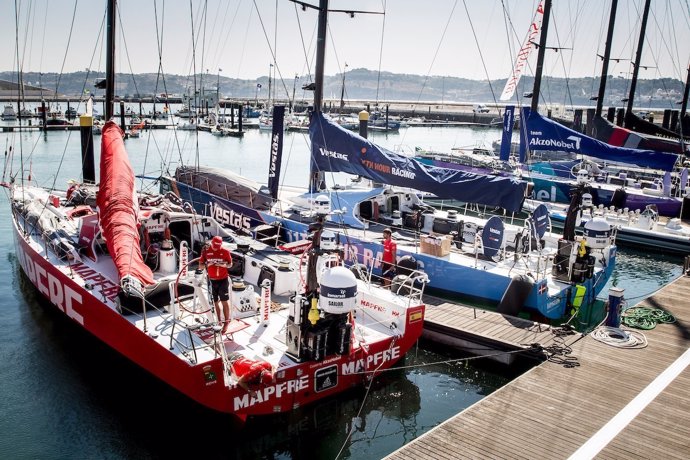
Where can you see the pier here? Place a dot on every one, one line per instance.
(483, 332)
(603, 401)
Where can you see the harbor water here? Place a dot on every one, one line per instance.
(63, 394)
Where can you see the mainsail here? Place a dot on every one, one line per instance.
(117, 207)
(339, 150)
(542, 133)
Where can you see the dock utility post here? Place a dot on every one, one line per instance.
(613, 319)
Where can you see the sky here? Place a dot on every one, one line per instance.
(475, 39)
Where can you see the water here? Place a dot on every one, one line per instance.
(64, 395)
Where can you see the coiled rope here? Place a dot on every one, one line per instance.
(619, 338)
(646, 317)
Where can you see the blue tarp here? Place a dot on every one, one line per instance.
(545, 134)
(337, 149)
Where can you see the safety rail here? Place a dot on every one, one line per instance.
(189, 329)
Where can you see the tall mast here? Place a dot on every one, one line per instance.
(607, 55)
(684, 104)
(540, 56)
(110, 60)
(320, 54)
(638, 57)
(317, 177)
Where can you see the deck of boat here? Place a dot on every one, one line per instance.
(614, 403)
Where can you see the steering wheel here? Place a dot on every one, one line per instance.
(177, 291)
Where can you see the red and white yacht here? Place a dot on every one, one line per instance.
(122, 266)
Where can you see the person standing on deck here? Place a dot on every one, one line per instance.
(388, 261)
(218, 260)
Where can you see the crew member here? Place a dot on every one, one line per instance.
(390, 248)
(218, 260)
(250, 373)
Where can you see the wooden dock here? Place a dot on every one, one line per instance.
(482, 332)
(614, 403)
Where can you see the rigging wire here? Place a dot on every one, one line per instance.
(516, 37)
(69, 40)
(301, 36)
(481, 56)
(675, 60)
(433, 59)
(378, 73)
(43, 44)
(196, 131)
(16, 36)
(159, 45)
(124, 42)
(273, 52)
(220, 51)
(244, 43)
(599, 52)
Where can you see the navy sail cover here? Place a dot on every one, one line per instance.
(545, 134)
(336, 149)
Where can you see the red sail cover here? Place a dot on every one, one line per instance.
(117, 207)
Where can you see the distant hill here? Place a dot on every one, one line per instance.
(361, 84)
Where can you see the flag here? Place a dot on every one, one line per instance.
(522, 55)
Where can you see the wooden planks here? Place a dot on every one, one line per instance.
(473, 324)
(551, 411)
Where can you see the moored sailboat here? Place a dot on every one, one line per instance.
(485, 255)
(121, 265)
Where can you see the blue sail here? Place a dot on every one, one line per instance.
(276, 150)
(545, 134)
(338, 150)
(506, 139)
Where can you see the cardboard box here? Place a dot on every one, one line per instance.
(435, 245)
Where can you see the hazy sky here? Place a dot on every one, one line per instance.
(432, 37)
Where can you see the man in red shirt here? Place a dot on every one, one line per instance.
(218, 259)
(390, 249)
(250, 374)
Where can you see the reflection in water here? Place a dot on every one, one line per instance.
(115, 399)
(641, 274)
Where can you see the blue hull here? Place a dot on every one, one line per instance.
(445, 276)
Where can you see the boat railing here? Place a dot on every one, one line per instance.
(412, 286)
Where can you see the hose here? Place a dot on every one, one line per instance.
(646, 317)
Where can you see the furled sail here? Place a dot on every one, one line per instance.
(642, 135)
(541, 133)
(117, 208)
(337, 149)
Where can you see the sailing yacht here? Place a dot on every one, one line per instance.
(121, 265)
(522, 268)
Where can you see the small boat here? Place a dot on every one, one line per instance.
(185, 112)
(188, 126)
(8, 114)
(57, 120)
(635, 228)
